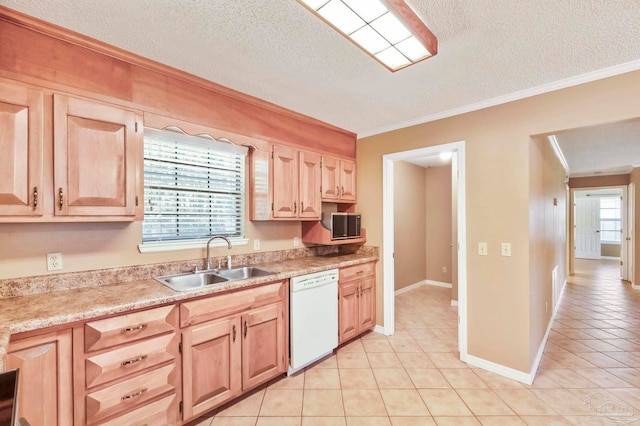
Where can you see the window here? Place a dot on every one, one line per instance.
(610, 219)
(193, 187)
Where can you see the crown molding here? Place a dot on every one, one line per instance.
(515, 96)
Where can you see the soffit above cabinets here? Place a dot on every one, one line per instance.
(277, 51)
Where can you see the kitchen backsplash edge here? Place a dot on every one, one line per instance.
(25, 286)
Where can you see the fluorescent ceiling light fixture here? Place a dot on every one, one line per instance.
(388, 30)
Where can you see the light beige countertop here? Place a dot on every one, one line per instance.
(58, 308)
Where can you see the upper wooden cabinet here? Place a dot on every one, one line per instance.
(21, 161)
(338, 180)
(296, 184)
(96, 156)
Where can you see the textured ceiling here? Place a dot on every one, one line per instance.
(278, 51)
(608, 149)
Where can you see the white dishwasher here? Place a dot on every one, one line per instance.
(313, 317)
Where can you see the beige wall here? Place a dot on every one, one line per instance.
(87, 246)
(547, 235)
(635, 179)
(409, 229)
(497, 142)
(438, 219)
(610, 250)
(597, 181)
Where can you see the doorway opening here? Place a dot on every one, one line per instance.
(458, 164)
(602, 220)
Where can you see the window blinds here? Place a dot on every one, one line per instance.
(193, 187)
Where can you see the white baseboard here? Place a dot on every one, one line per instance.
(420, 284)
(439, 284)
(378, 329)
(410, 287)
(454, 303)
(507, 372)
(543, 343)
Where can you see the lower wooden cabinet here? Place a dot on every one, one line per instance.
(211, 361)
(127, 369)
(45, 389)
(356, 300)
(223, 358)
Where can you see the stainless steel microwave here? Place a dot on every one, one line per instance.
(342, 226)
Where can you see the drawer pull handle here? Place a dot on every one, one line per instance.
(133, 360)
(61, 198)
(35, 197)
(134, 395)
(134, 328)
(359, 272)
(234, 332)
(245, 329)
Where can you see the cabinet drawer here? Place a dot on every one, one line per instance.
(130, 393)
(227, 304)
(354, 272)
(118, 363)
(128, 328)
(159, 413)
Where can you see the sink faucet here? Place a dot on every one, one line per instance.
(209, 242)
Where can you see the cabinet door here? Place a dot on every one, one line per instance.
(263, 345)
(310, 175)
(285, 182)
(367, 304)
(95, 154)
(210, 365)
(21, 161)
(45, 394)
(348, 310)
(348, 180)
(330, 179)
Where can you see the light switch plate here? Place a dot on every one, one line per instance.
(482, 249)
(506, 249)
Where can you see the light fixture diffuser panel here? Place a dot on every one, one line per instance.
(341, 16)
(367, 9)
(388, 30)
(370, 40)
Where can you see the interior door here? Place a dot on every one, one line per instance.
(587, 228)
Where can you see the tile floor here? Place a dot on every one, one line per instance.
(589, 374)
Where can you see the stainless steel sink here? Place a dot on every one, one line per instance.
(196, 280)
(243, 273)
(193, 281)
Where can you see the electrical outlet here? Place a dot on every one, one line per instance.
(256, 244)
(54, 261)
(444, 269)
(296, 241)
(506, 249)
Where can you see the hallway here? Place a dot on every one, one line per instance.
(589, 375)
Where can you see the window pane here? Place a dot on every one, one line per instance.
(193, 187)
